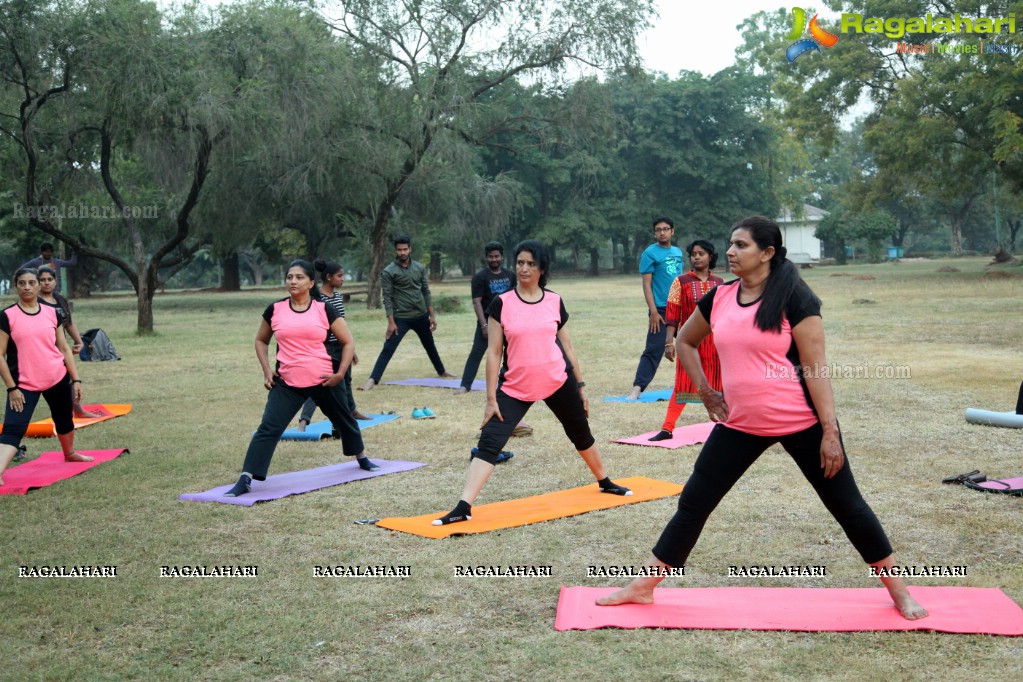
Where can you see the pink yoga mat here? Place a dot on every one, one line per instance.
(298, 482)
(687, 435)
(437, 382)
(50, 467)
(961, 610)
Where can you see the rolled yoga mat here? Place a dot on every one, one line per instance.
(1009, 420)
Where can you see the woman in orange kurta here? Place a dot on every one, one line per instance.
(685, 292)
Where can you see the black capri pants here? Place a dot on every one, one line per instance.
(727, 455)
(60, 399)
(565, 403)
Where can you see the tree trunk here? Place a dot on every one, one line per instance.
(957, 236)
(435, 266)
(381, 254)
(145, 308)
(232, 280)
(594, 269)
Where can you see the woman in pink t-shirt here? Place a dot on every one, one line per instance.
(35, 361)
(302, 324)
(770, 338)
(527, 328)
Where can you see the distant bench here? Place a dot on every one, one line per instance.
(348, 291)
(802, 259)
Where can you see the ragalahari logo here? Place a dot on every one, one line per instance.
(818, 36)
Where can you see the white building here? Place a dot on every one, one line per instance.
(797, 234)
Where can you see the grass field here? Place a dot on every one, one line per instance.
(197, 394)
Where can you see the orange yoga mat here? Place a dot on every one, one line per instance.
(44, 427)
(527, 510)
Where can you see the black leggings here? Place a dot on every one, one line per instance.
(566, 405)
(60, 399)
(724, 459)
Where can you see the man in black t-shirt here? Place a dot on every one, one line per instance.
(487, 284)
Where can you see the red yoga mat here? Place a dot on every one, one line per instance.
(50, 467)
(959, 610)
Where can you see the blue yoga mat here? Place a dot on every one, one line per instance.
(321, 430)
(648, 397)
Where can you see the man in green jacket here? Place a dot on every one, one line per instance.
(406, 293)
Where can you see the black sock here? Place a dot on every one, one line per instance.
(243, 486)
(461, 512)
(364, 463)
(663, 434)
(606, 486)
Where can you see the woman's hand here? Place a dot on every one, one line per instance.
(669, 351)
(832, 454)
(268, 380)
(331, 380)
(714, 401)
(76, 392)
(17, 400)
(586, 401)
(491, 411)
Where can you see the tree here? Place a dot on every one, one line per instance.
(435, 63)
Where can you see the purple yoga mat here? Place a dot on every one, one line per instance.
(298, 482)
(437, 382)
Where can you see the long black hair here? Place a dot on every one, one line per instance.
(706, 246)
(310, 271)
(784, 278)
(540, 255)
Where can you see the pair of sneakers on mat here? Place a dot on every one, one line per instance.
(422, 413)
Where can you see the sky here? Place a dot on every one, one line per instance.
(697, 36)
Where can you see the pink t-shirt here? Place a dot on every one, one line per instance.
(764, 394)
(32, 354)
(302, 356)
(534, 364)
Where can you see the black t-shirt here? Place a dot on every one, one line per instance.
(62, 307)
(487, 285)
(802, 304)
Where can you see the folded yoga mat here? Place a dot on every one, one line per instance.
(44, 427)
(1009, 420)
(526, 510)
(687, 435)
(962, 610)
(298, 482)
(321, 429)
(647, 397)
(437, 382)
(1011, 486)
(50, 467)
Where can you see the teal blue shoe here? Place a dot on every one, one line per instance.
(429, 413)
(418, 413)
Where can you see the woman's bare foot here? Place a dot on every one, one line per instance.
(86, 414)
(302, 423)
(447, 375)
(361, 417)
(909, 608)
(77, 457)
(369, 386)
(633, 593)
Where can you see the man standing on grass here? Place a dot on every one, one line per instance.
(46, 258)
(659, 265)
(487, 284)
(406, 293)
